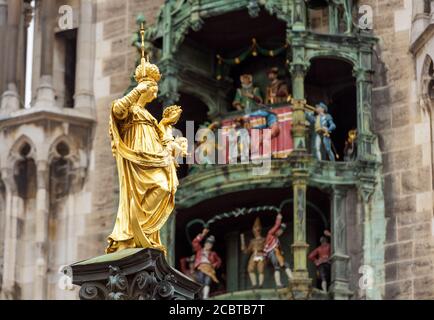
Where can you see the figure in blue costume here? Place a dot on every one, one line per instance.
(271, 121)
(324, 125)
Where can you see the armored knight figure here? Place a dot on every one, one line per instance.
(324, 125)
(277, 90)
(206, 262)
(248, 96)
(273, 252)
(257, 258)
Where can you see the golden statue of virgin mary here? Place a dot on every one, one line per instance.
(145, 153)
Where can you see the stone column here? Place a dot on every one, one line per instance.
(299, 161)
(301, 282)
(10, 235)
(3, 24)
(45, 91)
(42, 193)
(363, 74)
(421, 19)
(374, 238)
(85, 59)
(339, 259)
(169, 84)
(333, 19)
(10, 99)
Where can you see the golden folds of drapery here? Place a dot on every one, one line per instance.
(145, 152)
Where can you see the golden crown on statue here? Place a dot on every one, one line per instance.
(146, 71)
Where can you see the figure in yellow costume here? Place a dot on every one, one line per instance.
(143, 150)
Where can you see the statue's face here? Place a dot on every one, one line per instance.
(246, 80)
(175, 115)
(319, 110)
(272, 76)
(257, 232)
(208, 246)
(151, 94)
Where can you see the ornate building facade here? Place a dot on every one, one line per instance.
(58, 183)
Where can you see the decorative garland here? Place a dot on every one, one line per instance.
(244, 211)
(253, 50)
(234, 213)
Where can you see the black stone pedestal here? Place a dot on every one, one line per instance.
(132, 274)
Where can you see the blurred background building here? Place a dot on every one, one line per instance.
(61, 68)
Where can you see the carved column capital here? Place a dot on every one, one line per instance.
(299, 69)
(339, 259)
(142, 275)
(339, 191)
(7, 175)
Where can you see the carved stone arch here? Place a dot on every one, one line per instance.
(22, 162)
(326, 54)
(16, 151)
(207, 100)
(427, 82)
(73, 151)
(67, 165)
(427, 102)
(195, 22)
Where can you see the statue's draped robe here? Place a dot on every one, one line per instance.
(147, 178)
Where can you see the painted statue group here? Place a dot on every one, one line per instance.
(248, 99)
(262, 252)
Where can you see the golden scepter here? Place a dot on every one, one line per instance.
(143, 59)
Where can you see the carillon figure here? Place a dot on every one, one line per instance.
(255, 249)
(277, 90)
(324, 126)
(273, 252)
(350, 150)
(271, 121)
(321, 257)
(248, 96)
(187, 266)
(206, 262)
